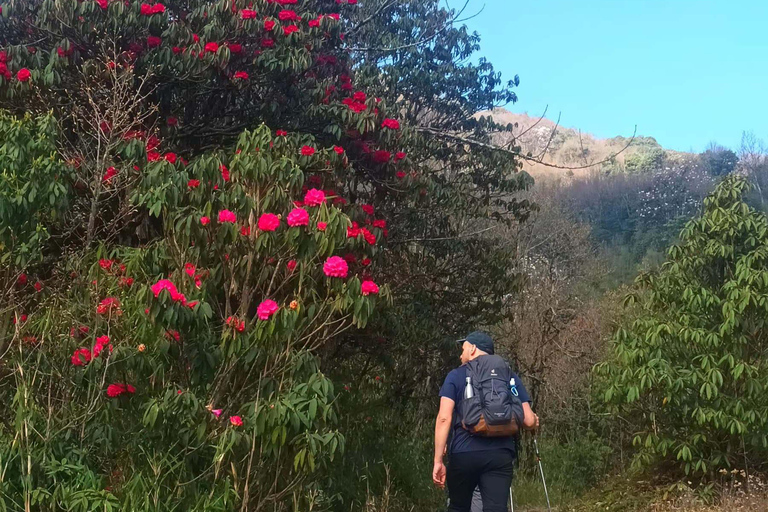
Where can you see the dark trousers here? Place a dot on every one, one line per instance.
(490, 470)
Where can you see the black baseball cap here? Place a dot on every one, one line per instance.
(479, 339)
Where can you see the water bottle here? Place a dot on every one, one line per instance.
(468, 391)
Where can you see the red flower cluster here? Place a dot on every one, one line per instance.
(153, 41)
(354, 105)
(281, 133)
(321, 226)
(211, 47)
(235, 323)
(226, 216)
(81, 357)
(101, 342)
(335, 266)
(369, 287)
(102, 3)
(288, 15)
(392, 124)
(115, 390)
(367, 208)
(269, 25)
(125, 282)
(193, 183)
(166, 284)
(266, 309)
(247, 14)
(108, 306)
(298, 217)
(204, 220)
(307, 150)
(149, 10)
(381, 156)
(314, 197)
(241, 75)
(399, 155)
(153, 156)
(268, 222)
(170, 158)
(290, 29)
(23, 75)
(291, 265)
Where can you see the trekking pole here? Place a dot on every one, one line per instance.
(541, 469)
(511, 503)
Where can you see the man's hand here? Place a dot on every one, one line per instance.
(438, 474)
(536, 422)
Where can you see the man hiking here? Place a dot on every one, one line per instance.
(483, 403)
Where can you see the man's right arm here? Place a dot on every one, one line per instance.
(442, 430)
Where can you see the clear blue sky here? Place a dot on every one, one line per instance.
(686, 72)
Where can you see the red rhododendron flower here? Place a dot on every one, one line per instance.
(268, 222)
(338, 149)
(173, 335)
(153, 156)
(224, 172)
(247, 14)
(125, 282)
(392, 124)
(321, 226)
(115, 390)
(369, 287)
(193, 183)
(106, 264)
(153, 41)
(381, 156)
(365, 262)
(22, 279)
(38, 286)
(314, 23)
(355, 106)
(102, 3)
(380, 223)
(216, 412)
(314, 197)
(170, 157)
(290, 29)
(81, 357)
(245, 230)
(23, 75)
(298, 217)
(266, 309)
(164, 284)
(108, 305)
(211, 47)
(101, 342)
(399, 155)
(353, 231)
(227, 216)
(269, 25)
(196, 38)
(288, 15)
(359, 96)
(334, 16)
(281, 133)
(335, 266)
(189, 268)
(172, 121)
(291, 265)
(3, 56)
(286, 2)
(369, 237)
(307, 150)
(268, 43)
(204, 221)
(367, 208)
(235, 48)
(400, 174)
(241, 75)
(236, 421)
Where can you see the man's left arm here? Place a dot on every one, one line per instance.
(530, 418)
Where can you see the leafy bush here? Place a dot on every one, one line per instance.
(690, 372)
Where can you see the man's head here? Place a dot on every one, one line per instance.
(476, 344)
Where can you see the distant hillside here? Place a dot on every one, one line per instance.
(569, 147)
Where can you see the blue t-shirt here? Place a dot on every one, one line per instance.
(462, 440)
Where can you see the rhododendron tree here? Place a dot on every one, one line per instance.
(250, 149)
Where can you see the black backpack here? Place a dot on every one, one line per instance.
(492, 411)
